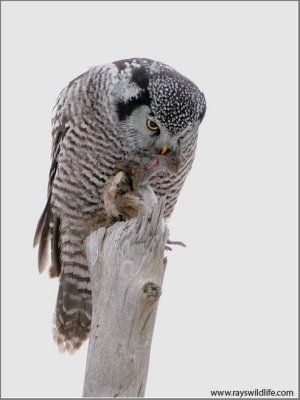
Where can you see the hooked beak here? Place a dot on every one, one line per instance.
(163, 150)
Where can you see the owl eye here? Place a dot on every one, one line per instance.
(152, 125)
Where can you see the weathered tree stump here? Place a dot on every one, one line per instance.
(127, 267)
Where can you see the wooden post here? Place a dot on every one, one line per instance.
(127, 267)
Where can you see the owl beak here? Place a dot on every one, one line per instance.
(163, 150)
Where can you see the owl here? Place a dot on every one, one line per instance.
(136, 111)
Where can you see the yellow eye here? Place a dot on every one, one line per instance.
(152, 125)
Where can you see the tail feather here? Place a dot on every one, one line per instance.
(73, 315)
(72, 319)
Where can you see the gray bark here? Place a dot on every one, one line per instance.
(127, 267)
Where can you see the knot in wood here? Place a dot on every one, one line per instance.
(151, 290)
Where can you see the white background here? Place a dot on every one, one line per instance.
(227, 318)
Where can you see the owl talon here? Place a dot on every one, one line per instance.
(176, 243)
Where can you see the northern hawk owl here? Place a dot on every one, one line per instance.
(128, 110)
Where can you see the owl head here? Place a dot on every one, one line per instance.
(159, 109)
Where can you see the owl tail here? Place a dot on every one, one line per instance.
(73, 315)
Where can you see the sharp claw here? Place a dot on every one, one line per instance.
(176, 243)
